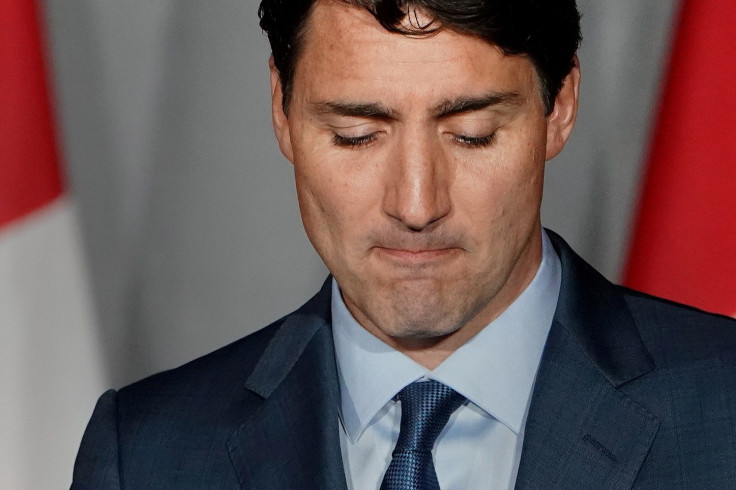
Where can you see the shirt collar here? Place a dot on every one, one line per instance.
(504, 355)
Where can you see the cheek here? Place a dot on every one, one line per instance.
(503, 192)
(319, 217)
(315, 205)
(335, 202)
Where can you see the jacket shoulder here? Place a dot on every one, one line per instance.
(691, 391)
(173, 429)
(228, 367)
(679, 334)
(138, 436)
(208, 373)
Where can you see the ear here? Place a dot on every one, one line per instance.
(562, 119)
(278, 116)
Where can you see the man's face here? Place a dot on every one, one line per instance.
(419, 165)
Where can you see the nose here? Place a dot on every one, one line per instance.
(417, 191)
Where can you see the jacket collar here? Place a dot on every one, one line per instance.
(582, 431)
(291, 440)
(594, 312)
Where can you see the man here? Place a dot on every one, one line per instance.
(458, 345)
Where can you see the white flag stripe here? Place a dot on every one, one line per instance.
(50, 359)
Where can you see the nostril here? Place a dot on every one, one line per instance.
(417, 210)
(422, 217)
(417, 194)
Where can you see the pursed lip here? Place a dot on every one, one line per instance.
(418, 254)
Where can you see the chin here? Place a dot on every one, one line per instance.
(422, 329)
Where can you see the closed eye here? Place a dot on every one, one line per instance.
(475, 141)
(353, 141)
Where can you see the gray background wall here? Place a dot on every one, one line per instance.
(189, 214)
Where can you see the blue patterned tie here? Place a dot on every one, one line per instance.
(426, 407)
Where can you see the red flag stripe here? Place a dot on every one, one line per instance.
(29, 169)
(684, 242)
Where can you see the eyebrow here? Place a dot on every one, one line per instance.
(470, 103)
(354, 109)
(458, 105)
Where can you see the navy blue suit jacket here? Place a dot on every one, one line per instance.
(632, 392)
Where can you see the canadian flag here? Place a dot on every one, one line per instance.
(684, 241)
(50, 365)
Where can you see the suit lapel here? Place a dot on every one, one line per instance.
(292, 438)
(582, 431)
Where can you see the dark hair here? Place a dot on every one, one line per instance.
(547, 31)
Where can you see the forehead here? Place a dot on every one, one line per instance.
(344, 49)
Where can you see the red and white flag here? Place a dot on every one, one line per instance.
(684, 241)
(50, 362)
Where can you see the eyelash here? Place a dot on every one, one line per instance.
(475, 142)
(468, 141)
(352, 142)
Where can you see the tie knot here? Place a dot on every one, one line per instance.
(426, 407)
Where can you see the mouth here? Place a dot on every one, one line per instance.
(417, 256)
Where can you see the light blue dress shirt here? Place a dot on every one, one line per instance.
(481, 444)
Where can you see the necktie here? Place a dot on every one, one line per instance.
(425, 409)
